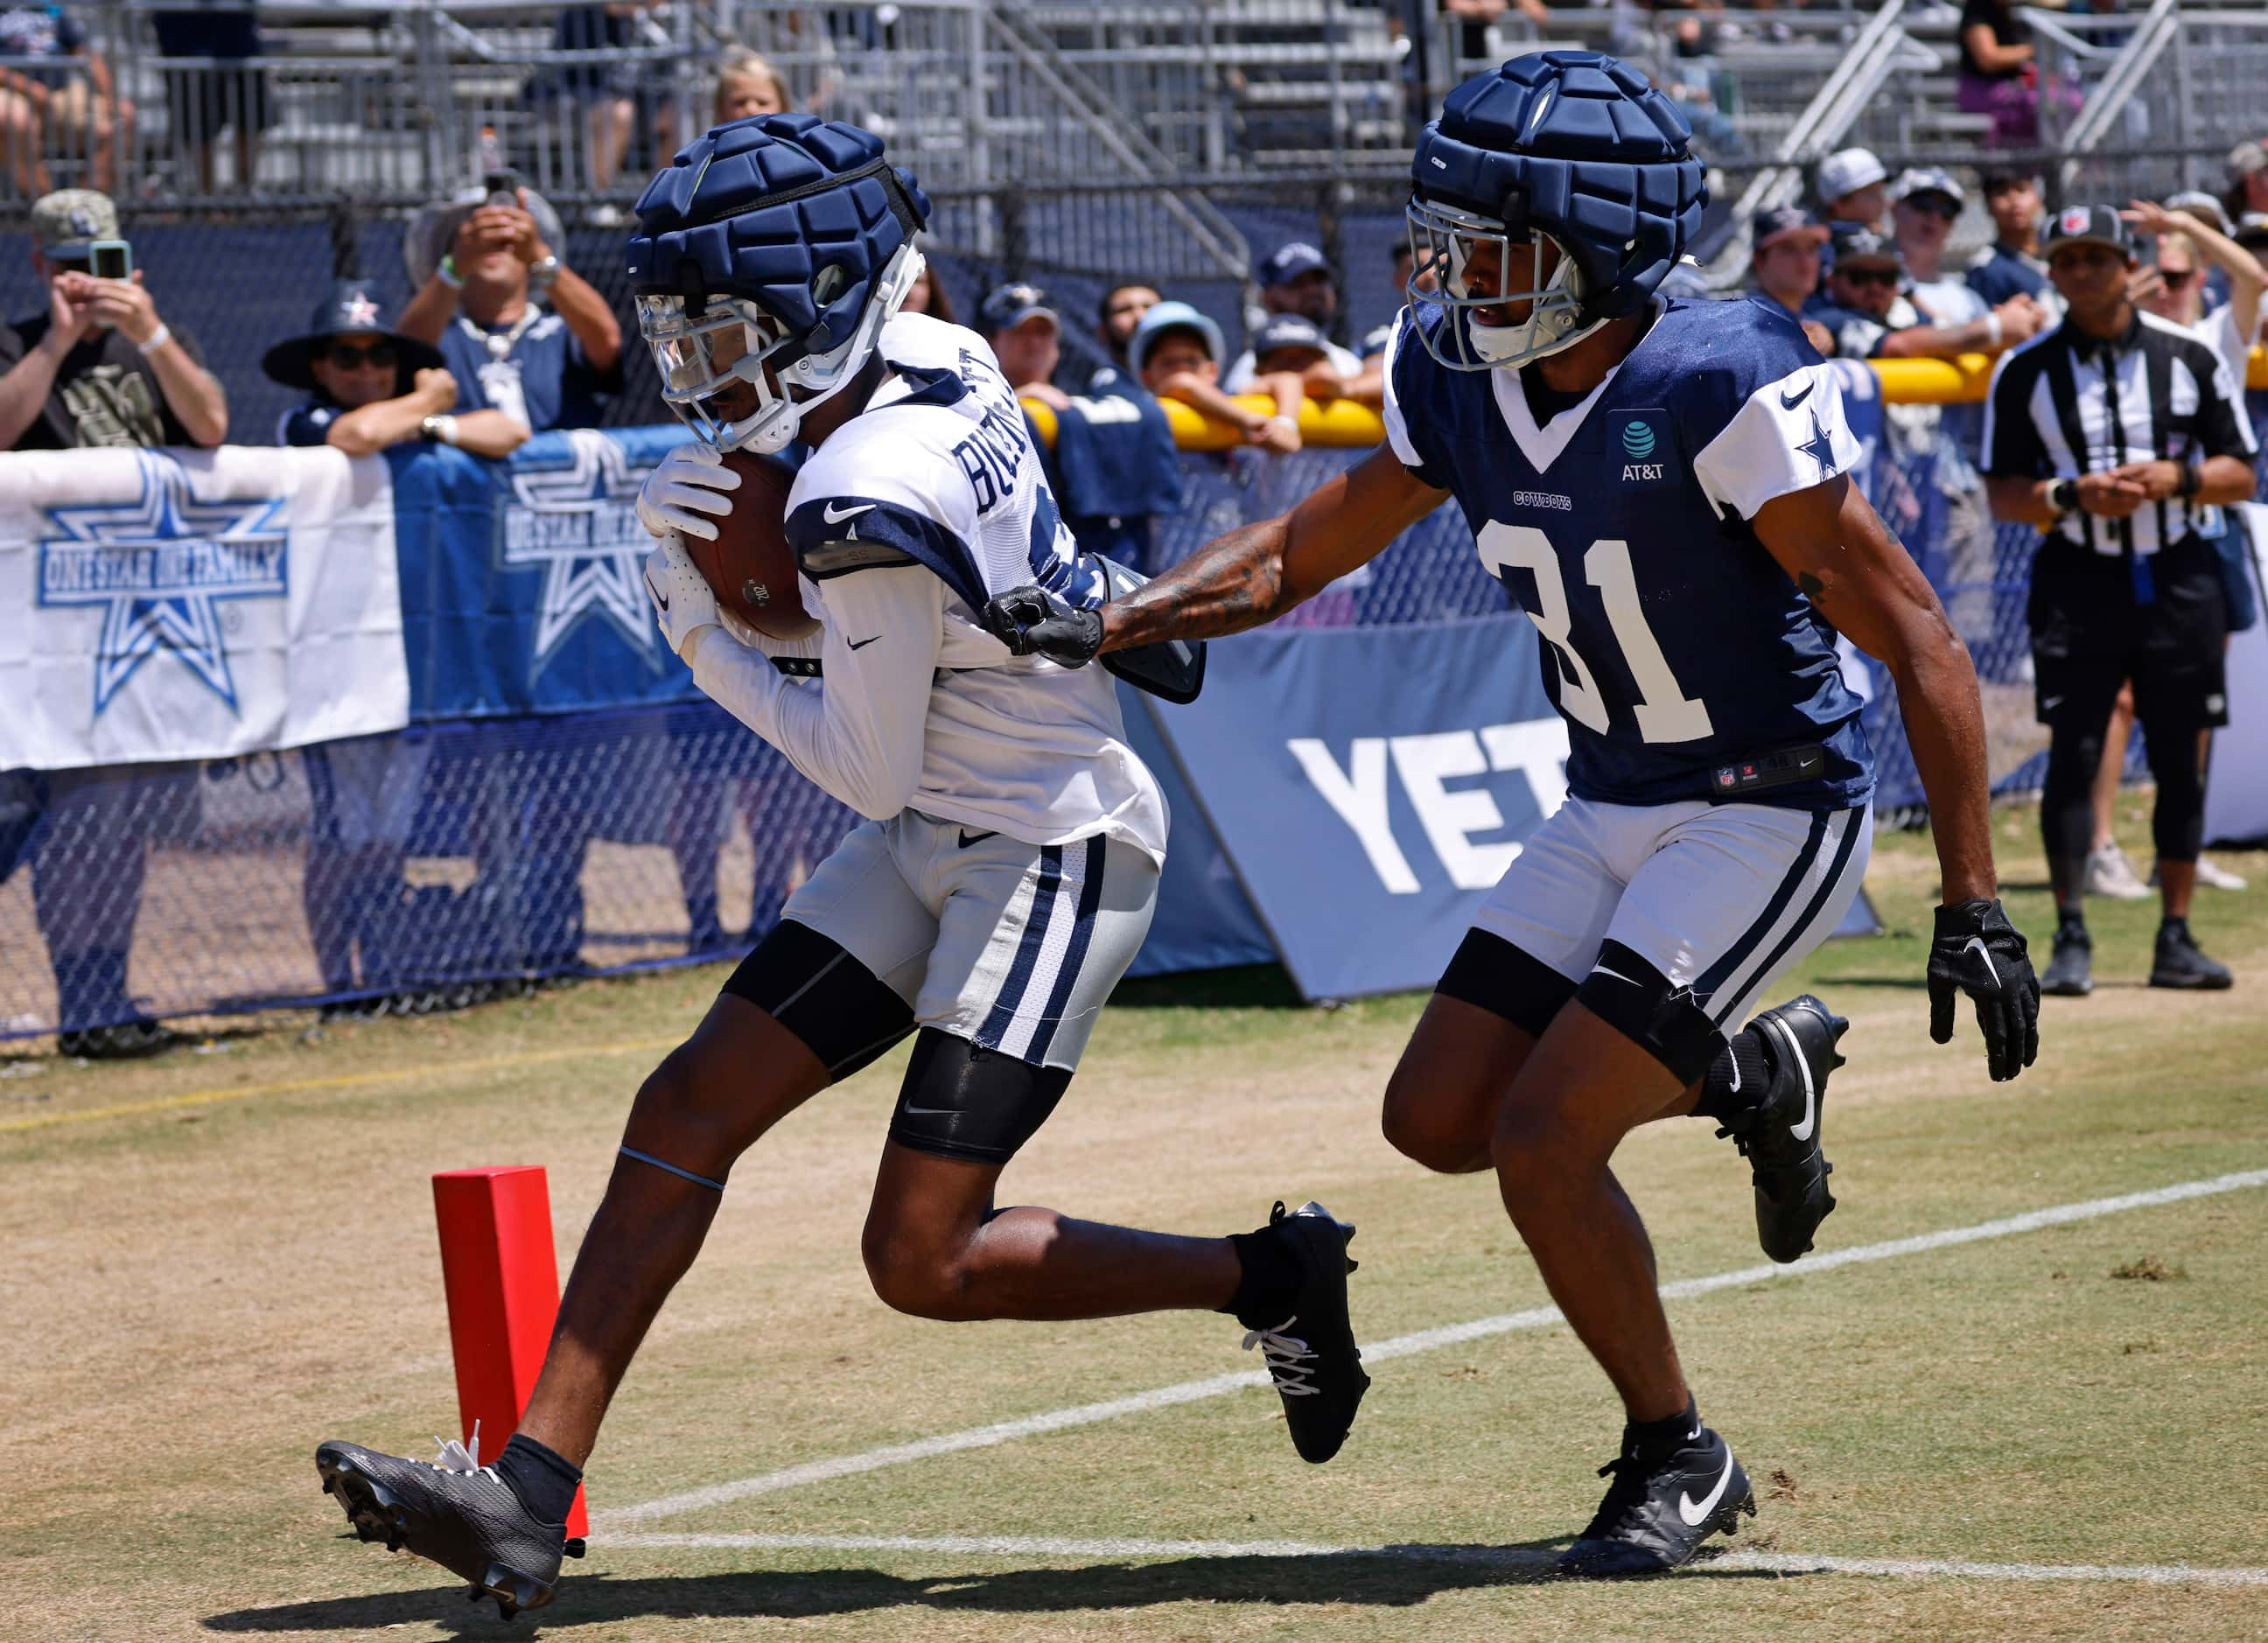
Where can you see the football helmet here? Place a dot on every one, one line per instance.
(1569, 146)
(771, 253)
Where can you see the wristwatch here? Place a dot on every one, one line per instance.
(2063, 496)
(543, 270)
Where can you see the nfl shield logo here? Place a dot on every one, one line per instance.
(2075, 220)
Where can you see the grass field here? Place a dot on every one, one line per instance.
(219, 1258)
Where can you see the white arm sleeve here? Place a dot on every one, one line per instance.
(858, 732)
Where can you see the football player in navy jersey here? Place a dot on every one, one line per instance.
(1663, 488)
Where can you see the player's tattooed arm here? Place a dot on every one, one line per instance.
(1257, 572)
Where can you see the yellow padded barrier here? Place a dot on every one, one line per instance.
(1346, 425)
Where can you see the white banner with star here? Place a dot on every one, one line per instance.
(195, 604)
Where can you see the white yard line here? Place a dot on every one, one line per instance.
(1492, 1557)
(1402, 1347)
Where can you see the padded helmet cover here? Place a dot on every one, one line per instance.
(762, 208)
(1577, 145)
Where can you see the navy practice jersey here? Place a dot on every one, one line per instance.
(1674, 645)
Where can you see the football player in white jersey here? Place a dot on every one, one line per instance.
(1000, 885)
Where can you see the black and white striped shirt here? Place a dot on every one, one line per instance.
(2066, 403)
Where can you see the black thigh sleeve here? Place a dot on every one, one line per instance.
(1491, 973)
(1637, 1001)
(844, 1014)
(962, 1100)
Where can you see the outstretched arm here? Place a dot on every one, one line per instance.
(1842, 555)
(1257, 572)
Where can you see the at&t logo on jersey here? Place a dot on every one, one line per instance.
(160, 566)
(1641, 439)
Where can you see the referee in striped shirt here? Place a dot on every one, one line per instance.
(2116, 434)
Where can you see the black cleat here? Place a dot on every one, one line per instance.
(2070, 973)
(1779, 1136)
(1656, 1516)
(468, 1520)
(2180, 963)
(1311, 1355)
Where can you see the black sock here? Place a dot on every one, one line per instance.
(1268, 1290)
(541, 1477)
(1652, 1441)
(1738, 1079)
(2071, 916)
(2171, 925)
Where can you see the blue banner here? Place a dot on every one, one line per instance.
(522, 580)
(1369, 785)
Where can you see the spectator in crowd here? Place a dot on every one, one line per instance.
(1868, 318)
(1924, 203)
(2248, 181)
(1177, 351)
(600, 83)
(2013, 267)
(232, 96)
(66, 95)
(1854, 188)
(1296, 279)
(485, 266)
(928, 294)
(101, 367)
(2116, 436)
(1112, 466)
(1999, 76)
(1120, 311)
(1784, 255)
(372, 387)
(747, 85)
(1020, 322)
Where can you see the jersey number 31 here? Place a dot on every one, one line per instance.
(1665, 713)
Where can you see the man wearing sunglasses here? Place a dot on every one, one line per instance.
(372, 387)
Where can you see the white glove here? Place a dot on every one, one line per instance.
(682, 493)
(683, 603)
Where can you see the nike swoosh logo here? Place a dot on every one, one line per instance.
(833, 518)
(1801, 1132)
(658, 597)
(969, 839)
(1600, 970)
(1790, 402)
(1693, 1512)
(860, 645)
(1985, 954)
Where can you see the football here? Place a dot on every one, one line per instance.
(750, 567)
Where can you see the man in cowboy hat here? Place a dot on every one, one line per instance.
(485, 265)
(373, 388)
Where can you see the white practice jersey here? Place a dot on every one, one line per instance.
(905, 522)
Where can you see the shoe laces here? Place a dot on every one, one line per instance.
(1290, 1359)
(462, 1459)
(1625, 1496)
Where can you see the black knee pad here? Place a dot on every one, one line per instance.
(962, 1100)
(1491, 974)
(1641, 1004)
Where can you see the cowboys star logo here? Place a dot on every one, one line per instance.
(361, 313)
(159, 566)
(577, 521)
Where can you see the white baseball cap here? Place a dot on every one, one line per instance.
(1846, 171)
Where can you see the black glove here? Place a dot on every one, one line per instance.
(1977, 951)
(1031, 620)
